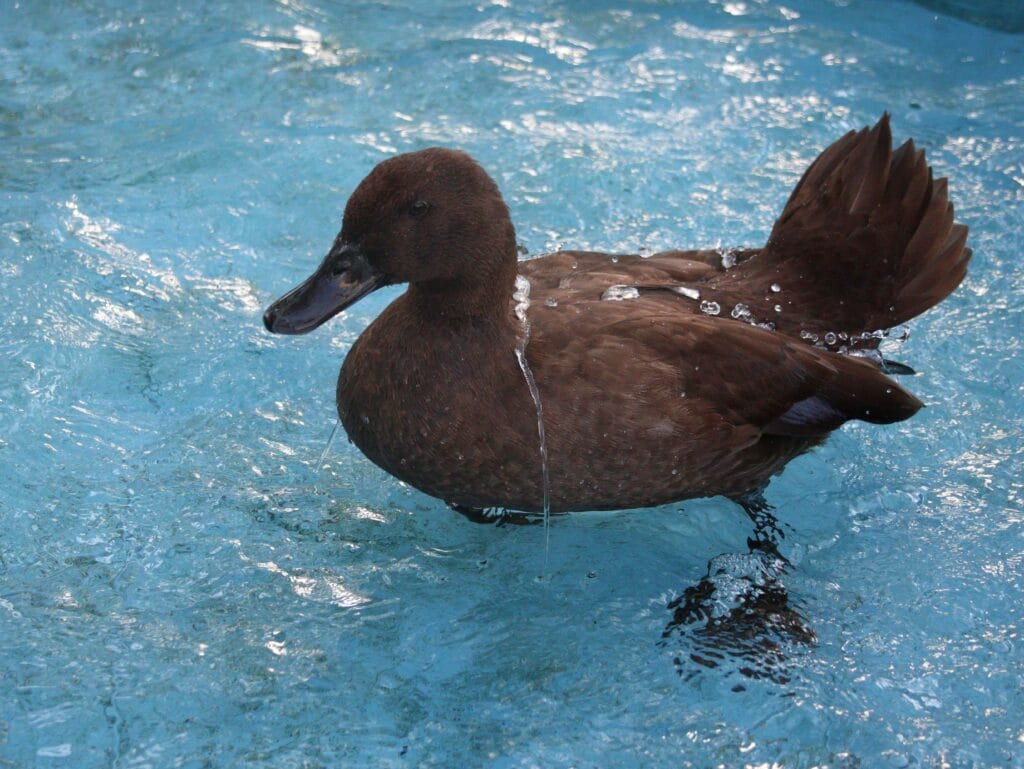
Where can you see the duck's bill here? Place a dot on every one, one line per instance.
(343, 279)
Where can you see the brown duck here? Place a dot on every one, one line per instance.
(662, 378)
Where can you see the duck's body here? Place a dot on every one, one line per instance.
(648, 395)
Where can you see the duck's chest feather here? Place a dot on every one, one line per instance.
(445, 409)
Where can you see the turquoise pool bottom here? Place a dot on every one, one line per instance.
(182, 587)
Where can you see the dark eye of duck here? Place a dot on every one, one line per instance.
(419, 209)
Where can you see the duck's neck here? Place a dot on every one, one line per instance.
(479, 300)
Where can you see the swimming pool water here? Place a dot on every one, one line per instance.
(181, 586)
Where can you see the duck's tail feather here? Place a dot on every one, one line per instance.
(866, 241)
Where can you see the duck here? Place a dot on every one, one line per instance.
(582, 380)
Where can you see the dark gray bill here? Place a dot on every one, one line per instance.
(344, 277)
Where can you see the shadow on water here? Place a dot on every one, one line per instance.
(738, 617)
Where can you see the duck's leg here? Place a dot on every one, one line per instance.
(496, 515)
(739, 612)
(768, 535)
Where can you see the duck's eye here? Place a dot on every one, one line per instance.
(419, 209)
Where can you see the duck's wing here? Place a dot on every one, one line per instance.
(711, 376)
(567, 277)
(866, 241)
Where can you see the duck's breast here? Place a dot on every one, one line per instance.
(445, 410)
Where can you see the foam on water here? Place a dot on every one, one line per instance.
(173, 592)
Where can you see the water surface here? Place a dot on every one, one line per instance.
(176, 592)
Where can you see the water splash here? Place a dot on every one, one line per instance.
(728, 257)
(521, 296)
(322, 462)
(874, 345)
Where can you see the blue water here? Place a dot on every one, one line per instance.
(181, 587)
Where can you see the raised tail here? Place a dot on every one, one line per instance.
(866, 241)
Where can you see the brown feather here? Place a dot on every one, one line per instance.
(649, 399)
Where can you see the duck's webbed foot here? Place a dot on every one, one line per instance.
(738, 616)
(496, 515)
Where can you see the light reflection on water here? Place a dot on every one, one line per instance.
(184, 582)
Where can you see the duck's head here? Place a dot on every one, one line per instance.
(432, 218)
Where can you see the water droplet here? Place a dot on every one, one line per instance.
(809, 336)
(778, 308)
(618, 293)
(615, 259)
(550, 303)
(872, 355)
(728, 259)
(776, 287)
(674, 471)
(740, 312)
(888, 391)
(830, 338)
(690, 293)
(710, 308)
(521, 296)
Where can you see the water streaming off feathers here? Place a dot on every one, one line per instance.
(521, 296)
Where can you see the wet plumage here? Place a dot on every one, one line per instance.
(646, 399)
